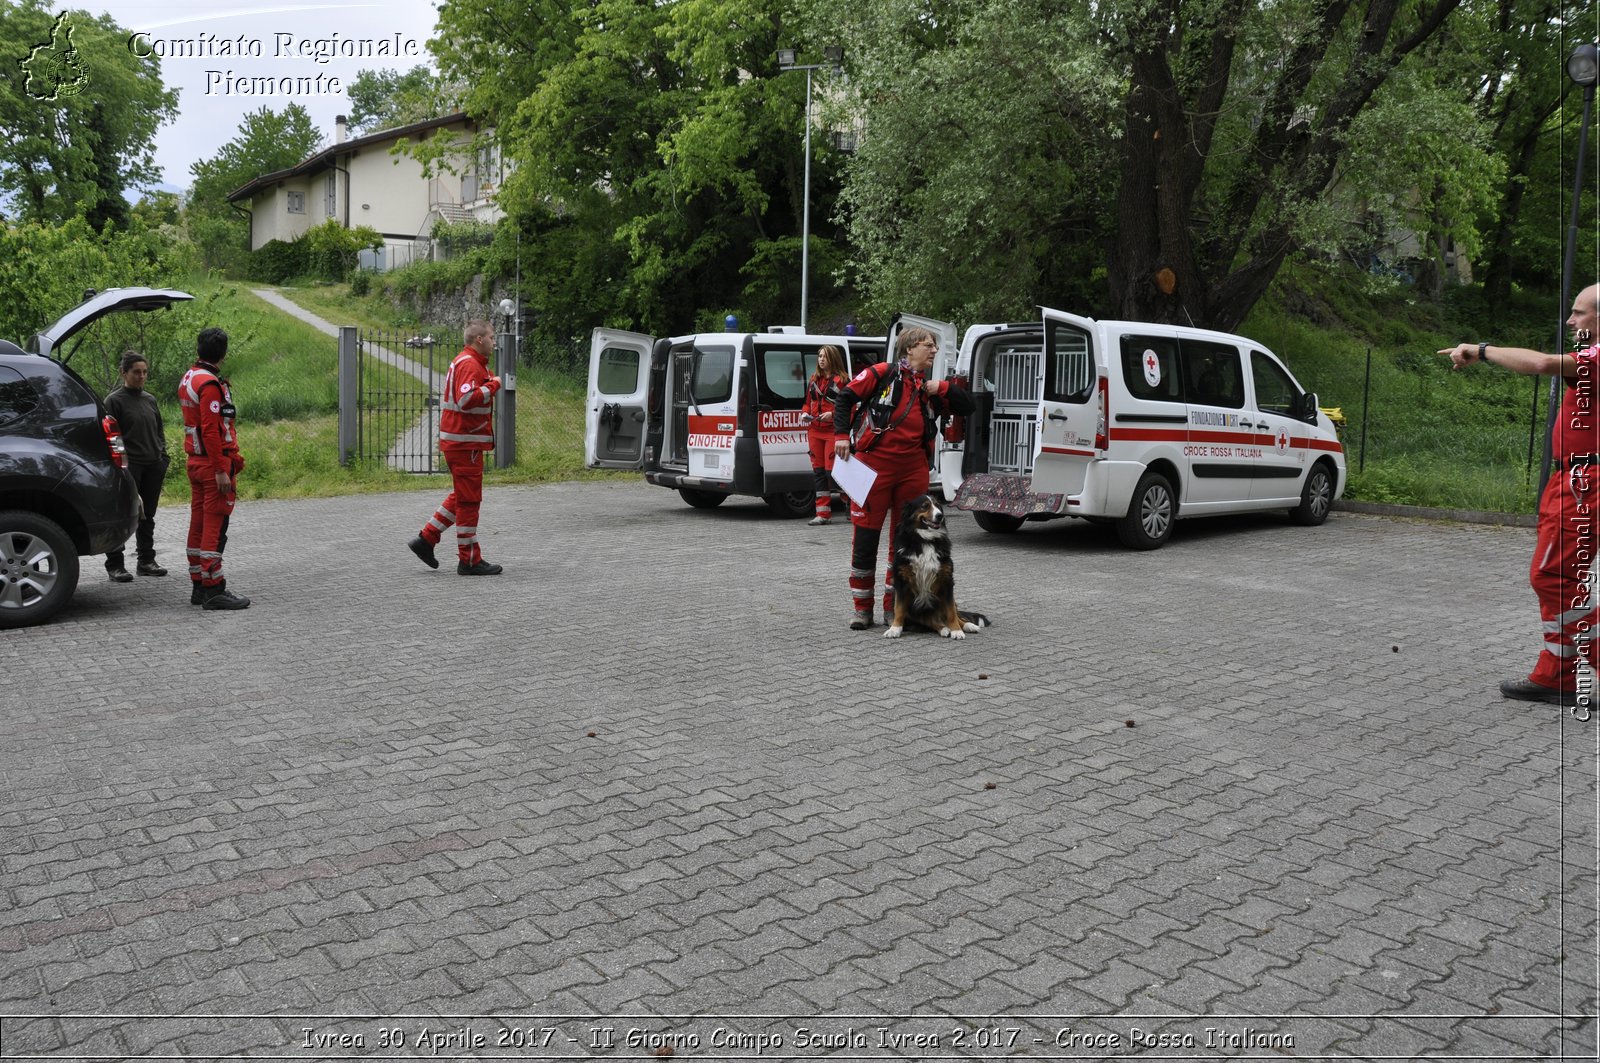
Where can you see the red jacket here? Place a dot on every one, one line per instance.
(1577, 428)
(466, 411)
(819, 402)
(208, 433)
(898, 420)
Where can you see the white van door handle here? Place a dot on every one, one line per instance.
(1053, 416)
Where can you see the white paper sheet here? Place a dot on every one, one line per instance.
(854, 478)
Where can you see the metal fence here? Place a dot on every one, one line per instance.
(389, 397)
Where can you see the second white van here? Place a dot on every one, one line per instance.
(1134, 424)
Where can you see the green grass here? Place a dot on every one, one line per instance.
(284, 376)
(1433, 436)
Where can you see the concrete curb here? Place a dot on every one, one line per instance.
(1464, 516)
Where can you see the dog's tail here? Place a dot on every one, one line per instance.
(974, 618)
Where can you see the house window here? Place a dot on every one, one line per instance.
(333, 200)
(297, 202)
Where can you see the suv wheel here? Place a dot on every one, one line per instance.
(702, 499)
(1150, 514)
(38, 568)
(1316, 499)
(792, 503)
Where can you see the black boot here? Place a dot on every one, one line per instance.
(150, 568)
(119, 574)
(220, 597)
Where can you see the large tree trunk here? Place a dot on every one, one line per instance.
(1168, 264)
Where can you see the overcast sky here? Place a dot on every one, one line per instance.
(213, 86)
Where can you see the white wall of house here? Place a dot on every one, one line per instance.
(284, 212)
(368, 186)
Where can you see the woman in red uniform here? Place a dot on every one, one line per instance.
(892, 435)
(817, 413)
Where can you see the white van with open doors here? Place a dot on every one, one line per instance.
(710, 415)
(1133, 424)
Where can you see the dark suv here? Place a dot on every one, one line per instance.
(64, 490)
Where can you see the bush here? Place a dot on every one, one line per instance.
(361, 282)
(277, 261)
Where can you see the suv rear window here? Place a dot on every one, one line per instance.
(17, 397)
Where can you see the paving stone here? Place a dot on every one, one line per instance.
(350, 827)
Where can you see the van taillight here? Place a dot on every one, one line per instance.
(1101, 441)
(119, 449)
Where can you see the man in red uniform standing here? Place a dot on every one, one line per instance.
(1564, 553)
(466, 433)
(212, 447)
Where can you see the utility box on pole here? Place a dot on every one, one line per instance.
(505, 400)
(349, 392)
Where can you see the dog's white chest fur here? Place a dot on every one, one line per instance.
(924, 569)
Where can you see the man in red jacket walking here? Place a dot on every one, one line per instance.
(466, 433)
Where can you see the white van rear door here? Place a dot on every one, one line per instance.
(944, 331)
(615, 419)
(1072, 405)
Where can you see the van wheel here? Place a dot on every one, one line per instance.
(38, 568)
(702, 499)
(1317, 498)
(792, 503)
(1150, 514)
(999, 523)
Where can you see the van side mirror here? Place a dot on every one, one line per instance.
(1308, 407)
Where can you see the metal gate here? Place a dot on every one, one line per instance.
(389, 399)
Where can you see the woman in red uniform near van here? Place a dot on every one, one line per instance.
(817, 411)
(893, 437)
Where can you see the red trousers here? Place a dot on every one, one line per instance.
(1563, 557)
(900, 479)
(820, 444)
(460, 506)
(209, 510)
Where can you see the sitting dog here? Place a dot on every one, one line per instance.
(923, 576)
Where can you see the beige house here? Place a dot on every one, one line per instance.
(361, 182)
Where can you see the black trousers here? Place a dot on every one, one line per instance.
(147, 480)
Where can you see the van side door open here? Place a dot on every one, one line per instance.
(1072, 406)
(616, 412)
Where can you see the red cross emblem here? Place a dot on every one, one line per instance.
(1150, 363)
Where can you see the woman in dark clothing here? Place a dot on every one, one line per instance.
(144, 434)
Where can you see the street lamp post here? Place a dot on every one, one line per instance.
(1582, 67)
(786, 62)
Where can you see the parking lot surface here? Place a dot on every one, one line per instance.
(1251, 795)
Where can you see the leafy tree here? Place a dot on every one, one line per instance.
(1195, 142)
(80, 122)
(657, 152)
(385, 99)
(267, 141)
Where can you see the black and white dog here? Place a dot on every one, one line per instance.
(923, 576)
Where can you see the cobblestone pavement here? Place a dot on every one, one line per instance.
(1250, 795)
